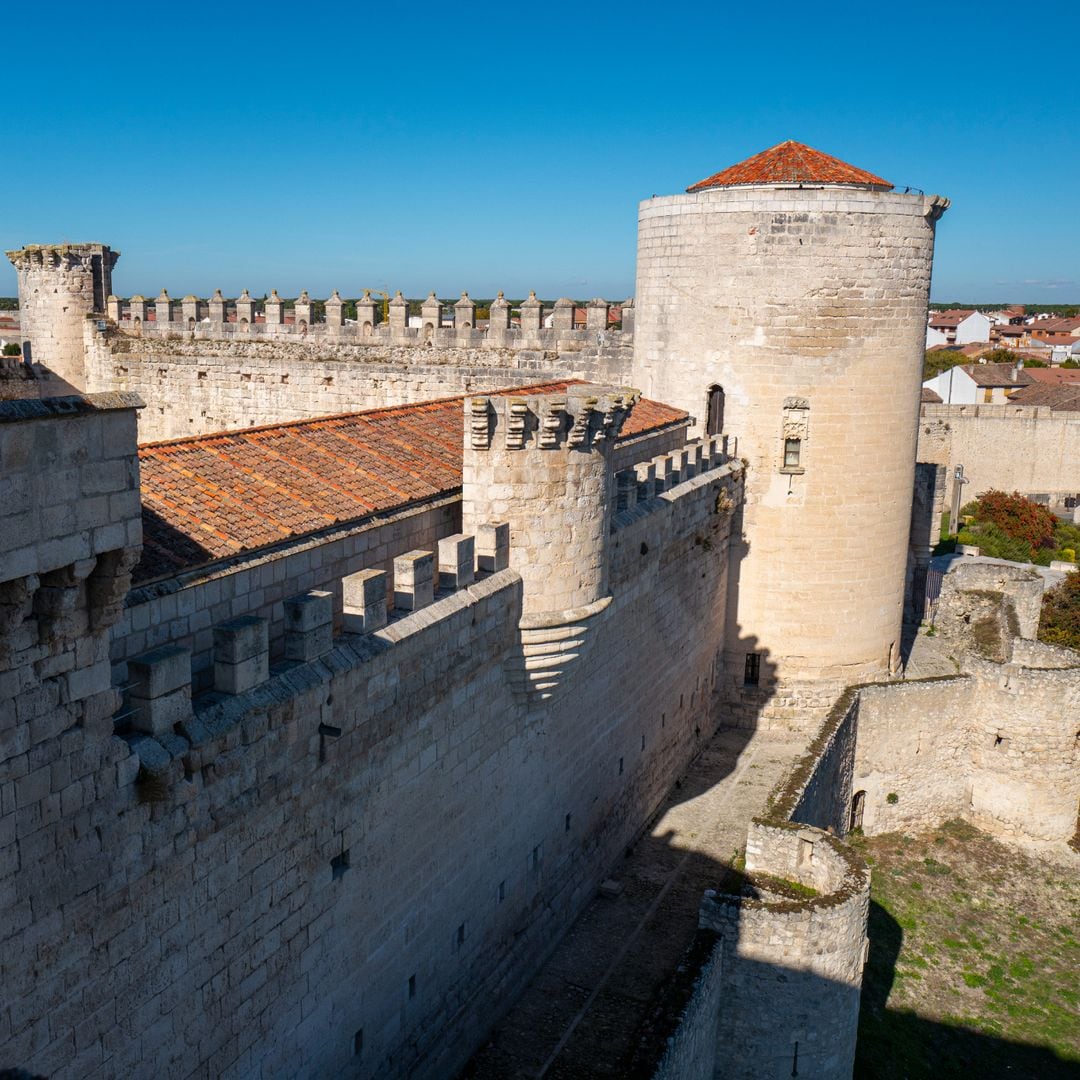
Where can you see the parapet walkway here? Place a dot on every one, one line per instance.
(580, 1016)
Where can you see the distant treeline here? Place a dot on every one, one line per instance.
(9, 303)
(1064, 311)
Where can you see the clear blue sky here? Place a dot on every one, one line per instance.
(317, 146)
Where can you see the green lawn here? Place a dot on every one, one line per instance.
(974, 967)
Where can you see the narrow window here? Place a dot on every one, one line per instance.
(567, 823)
(792, 452)
(620, 766)
(358, 1043)
(752, 670)
(502, 891)
(412, 987)
(461, 935)
(714, 424)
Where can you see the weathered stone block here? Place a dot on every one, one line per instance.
(457, 561)
(159, 672)
(309, 610)
(308, 645)
(157, 716)
(240, 639)
(493, 547)
(365, 601)
(240, 677)
(414, 580)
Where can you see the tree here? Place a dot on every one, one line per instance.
(1059, 623)
(11, 349)
(939, 360)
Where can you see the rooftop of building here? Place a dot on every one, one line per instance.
(950, 318)
(1053, 376)
(1064, 397)
(212, 497)
(993, 375)
(791, 162)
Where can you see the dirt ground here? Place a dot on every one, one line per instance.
(974, 967)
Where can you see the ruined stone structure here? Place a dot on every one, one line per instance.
(776, 974)
(317, 732)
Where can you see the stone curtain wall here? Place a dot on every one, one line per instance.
(69, 536)
(351, 868)
(197, 386)
(1008, 447)
(913, 745)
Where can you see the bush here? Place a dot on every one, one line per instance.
(1060, 621)
(11, 349)
(1018, 518)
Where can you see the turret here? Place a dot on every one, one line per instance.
(783, 301)
(542, 463)
(59, 286)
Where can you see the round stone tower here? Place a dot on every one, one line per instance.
(59, 285)
(783, 302)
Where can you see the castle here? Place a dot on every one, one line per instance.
(318, 731)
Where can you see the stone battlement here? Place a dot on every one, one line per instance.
(443, 325)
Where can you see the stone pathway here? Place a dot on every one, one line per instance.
(580, 1016)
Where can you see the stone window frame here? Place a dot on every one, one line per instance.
(795, 427)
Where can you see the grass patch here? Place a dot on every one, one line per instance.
(973, 960)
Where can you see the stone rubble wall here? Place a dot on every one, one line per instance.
(996, 746)
(1028, 449)
(691, 1051)
(352, 866)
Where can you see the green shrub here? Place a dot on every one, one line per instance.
(11, 349)
(1060, 621)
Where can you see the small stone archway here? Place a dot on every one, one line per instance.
(858, 805)
(136, 325)
(367, 328)
(429, 331)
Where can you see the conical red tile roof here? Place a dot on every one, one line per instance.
(790, 163)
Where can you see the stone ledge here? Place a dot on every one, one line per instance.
(13, 412)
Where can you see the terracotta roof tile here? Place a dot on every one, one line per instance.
(790, 163)
(1054, 376)
(209, 497)
(1062, 396)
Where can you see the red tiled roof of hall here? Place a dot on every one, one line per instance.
(210, 497)
(790, 163)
